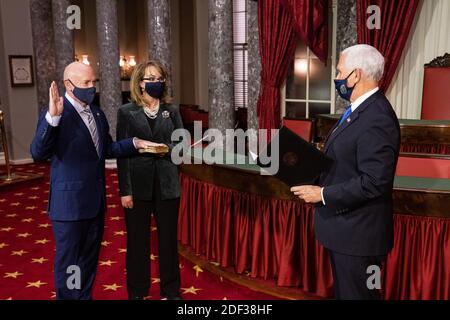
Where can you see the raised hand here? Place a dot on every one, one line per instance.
(56, 103)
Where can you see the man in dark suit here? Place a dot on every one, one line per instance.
(74, 134)
(354, 212)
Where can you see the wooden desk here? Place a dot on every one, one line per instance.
(413, 132)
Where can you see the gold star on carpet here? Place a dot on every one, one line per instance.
(19, 194)
(109, 195)
(156, 280)
(53, 295)
(44, 225)
(13, 274)
(221, 279)
(33, 198)
(18, 253)
(2, 200)
(28, 220)
(10, 298)
(106, 243)
(41, 260)
(115, 218)
(7, 229)
(42, 241)
(31, 208)
(2, 245)
(197, 269)
(122, 250)
(112, 287)
(154, 229)
(36, 284)
(107, 263)
(112, 206)
(192, 290)
(215, 264)
(35, 188)
(119, 233)
(23, 235)
(153, 257)
(11, 215)
(225, 298)
(15, 204)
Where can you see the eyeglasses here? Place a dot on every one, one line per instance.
(154, 79)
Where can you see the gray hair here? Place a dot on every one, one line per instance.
(366, 58)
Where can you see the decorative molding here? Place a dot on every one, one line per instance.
(440, 62)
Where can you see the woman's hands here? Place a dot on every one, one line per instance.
(127, 202)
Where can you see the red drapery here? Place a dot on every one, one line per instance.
(274, 239)
(397, 18)
(311, 24)
(279, 21)
(277, 45)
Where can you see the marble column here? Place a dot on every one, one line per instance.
(221, 69)
(346, 36)
(43, 47)
(254, 65)
(64, 41)
(159, 35)
(108, 53)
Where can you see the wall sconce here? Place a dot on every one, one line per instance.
(122, 61)
(127, 66)
(85, 59)
(132, 61)
(301, 67)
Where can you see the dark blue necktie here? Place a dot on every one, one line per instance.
(346, 114)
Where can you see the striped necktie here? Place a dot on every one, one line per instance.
(92, 127)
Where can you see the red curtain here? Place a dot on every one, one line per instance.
(311, 24)
(397, 18)
(274, 239)
(277, 46)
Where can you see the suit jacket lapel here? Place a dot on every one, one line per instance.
(350, 120)
(159, 119)
(142, 122)
(100, 129)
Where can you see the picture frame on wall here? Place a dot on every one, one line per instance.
(21, 70)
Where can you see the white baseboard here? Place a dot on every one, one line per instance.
(21, 161)
(15, 162)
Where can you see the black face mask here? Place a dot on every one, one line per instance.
(155, 89)
(85, 95)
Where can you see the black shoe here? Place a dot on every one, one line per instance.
(178, 297)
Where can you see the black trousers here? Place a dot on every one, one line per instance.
(350, 276)
(138, 245)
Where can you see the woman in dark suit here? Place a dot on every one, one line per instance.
(149, 183)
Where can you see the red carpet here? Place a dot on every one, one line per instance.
(27, 250)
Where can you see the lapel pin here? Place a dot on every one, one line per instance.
(348, 120)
